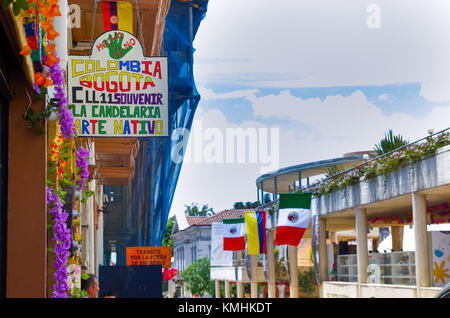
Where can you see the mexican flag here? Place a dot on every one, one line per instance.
(293, 217)
(233, 234)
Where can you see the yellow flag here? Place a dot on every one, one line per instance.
(252, 232)
(125, 16)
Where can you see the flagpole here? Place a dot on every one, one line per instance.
(271, 263)
(239, 284)
(293, 271)
(254, 281)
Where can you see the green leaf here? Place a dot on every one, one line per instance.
(22, 4)
(16, 8)
(6, 3)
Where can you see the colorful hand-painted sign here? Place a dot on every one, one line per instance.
(116, 91)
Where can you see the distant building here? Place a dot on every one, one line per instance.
(194, 242)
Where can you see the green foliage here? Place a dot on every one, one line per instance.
(167, 240)
(334, 169)
(17, 5)
(246, 205)
(195, 210)
(384, 165)
(85, 276)
(390, 143)
(78, 293)
(197, 277)
(307, 281)
(37, 120)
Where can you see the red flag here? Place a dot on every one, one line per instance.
(170, 273)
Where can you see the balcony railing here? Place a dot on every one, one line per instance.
(383, 164)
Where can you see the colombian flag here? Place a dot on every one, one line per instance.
(255, 222)
(118, 15)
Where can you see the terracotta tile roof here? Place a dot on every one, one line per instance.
(218, 217)
(191, 220)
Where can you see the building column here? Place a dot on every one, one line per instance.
(257, 194)
(217, 285)
(419, 211)
(262, 194)
(254, 281)
(361, 244)
(275, 193)
(397, 238)
(270, 241)
(299, 180)
(239, 289)
(227, 289)
(323, 259)
(293, 271)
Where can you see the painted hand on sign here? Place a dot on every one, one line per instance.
(115, 46)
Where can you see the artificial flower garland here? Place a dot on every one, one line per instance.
(62, 238)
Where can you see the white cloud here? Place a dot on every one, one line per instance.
(321, 43)
(325, 43)
(207, 93)
(386, 98)
(436, 90)
(338, 125)
(352, 117)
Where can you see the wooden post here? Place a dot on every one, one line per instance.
(361, 247)
(270, 241)
(293, 271)
(419, 211)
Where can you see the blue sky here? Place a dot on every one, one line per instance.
(401, 98)
(332, 76)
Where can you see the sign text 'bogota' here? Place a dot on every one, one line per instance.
(116, 91)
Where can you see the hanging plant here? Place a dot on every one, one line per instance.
(383, 166)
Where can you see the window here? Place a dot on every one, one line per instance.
(179, 256)
(193, 252)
